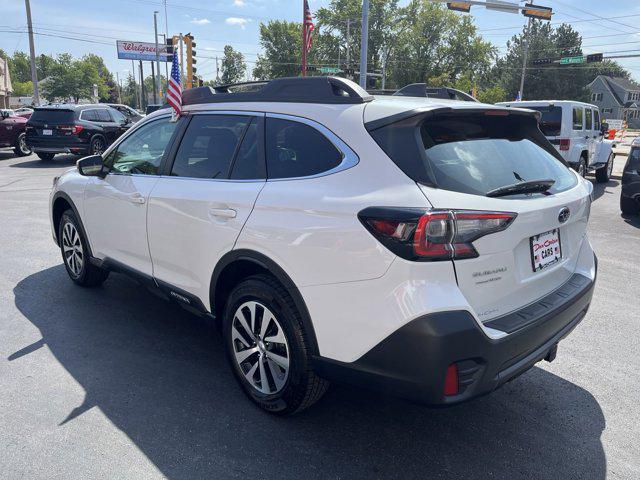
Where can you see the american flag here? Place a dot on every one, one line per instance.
(174, 89)
(308, 26)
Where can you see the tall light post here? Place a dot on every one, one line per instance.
(155, 29)
(364, 43)
(32, 52)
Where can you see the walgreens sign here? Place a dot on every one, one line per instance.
(140, 51)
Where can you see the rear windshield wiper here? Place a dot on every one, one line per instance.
(532, 186)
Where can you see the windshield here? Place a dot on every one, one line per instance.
(551, 120)
(52, 116)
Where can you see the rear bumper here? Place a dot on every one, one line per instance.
(412, 362)
(74, 145)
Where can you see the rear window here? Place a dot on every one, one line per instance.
(474, 153)
(51, 115)
(550, 121)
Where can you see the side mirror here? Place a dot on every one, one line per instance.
(91, 166)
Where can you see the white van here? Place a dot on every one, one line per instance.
(574, 128)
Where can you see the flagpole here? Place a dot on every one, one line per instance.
(304, 40)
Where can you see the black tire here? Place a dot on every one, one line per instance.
(88, 275)
(581, 167)
(604, 174)
(98, 145)
(302, 387)
(629, 206)
(47, 157)
(20, 148)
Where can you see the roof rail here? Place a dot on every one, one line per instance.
(332, 90)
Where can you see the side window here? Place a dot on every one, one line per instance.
(89, 115)
(577, 118)
(589, 118)
(116, 116)
(249, 163)
(294, 149)
(142, 151)
(103, 115)
(209, 145)
(596, 119)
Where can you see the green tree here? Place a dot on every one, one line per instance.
(233, 66)
(44, 66)
(22, 89)
(20, 67)
(281, 42)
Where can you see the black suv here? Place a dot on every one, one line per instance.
(77, 129)
(127, 111)
(630, 195)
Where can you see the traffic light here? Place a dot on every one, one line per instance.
(169, 49)
(191, 59)
(536, 11)
(542, 61)
(594, 57)
(459, 6)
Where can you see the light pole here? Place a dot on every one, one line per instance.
(155, 29)
(364, 43)
(32, 52)
(524, 59)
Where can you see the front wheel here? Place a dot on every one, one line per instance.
(21, 149)
(47, 157)
(604, 174)
(582, 167)
(629, 206)
(267, 347)
(75, 256)
(97, 145)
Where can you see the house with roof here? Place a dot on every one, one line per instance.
(5, 83)
(618, 98)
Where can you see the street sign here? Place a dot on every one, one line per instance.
(569, 60)
(330, 70)
(537, 11)
(141, 51)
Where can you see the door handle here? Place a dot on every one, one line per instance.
(137, 198)
(223, 212)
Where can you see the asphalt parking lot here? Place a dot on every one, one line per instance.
(115, 383)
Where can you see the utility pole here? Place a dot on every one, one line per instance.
(217, 72)
(524, 58)
(181, 59)
(119, 88)
(348, 41)
(158, 87)
(32, 51)
(155, 89)
(142, 99)
(364, 43)
(136, 97)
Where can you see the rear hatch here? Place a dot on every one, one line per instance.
(496, 161)
(50, 126)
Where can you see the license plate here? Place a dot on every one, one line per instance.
(545, 249)
(47, 132)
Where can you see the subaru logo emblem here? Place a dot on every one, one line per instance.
(564, 215)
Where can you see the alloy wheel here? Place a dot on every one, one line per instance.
(260, 347)
(97, 146)
(22, 144)
(582, 169)
(72, 249)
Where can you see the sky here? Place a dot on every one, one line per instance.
(611, 27)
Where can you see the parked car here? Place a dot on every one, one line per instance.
(576, 130)
(630, 194)
(133, 115)
(77, 129)
(12, 132)
(153, 107)
(432, 249)
(423, 90)
(24, 112)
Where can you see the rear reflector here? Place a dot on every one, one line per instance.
(451, 381)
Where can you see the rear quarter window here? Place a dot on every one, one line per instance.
(578, 118)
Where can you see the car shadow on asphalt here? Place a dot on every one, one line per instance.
(599, 189)
(58, 161)
(160, 375)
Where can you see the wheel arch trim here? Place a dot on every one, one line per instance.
(279, 273)
(62, 195)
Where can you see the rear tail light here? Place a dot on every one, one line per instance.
(565, 143)
(71, 129)
(416, 234)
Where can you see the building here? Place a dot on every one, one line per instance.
(5, 83)
(618, 98)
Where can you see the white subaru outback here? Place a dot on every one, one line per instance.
(432, 249)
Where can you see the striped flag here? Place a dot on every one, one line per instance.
(174, 89)
(307, 26)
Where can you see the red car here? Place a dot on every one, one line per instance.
(12, 128)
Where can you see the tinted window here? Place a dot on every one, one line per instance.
(297, 150)
(208, 146)
(117, 117)
(142, 151)
(472, 152)
(103, 115)
(89, 115)
(551, 120)
(577, 118)
(596, 120)
(50, 115)
(249, 164)
(589, 118)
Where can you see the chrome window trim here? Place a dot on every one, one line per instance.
(349, 157)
